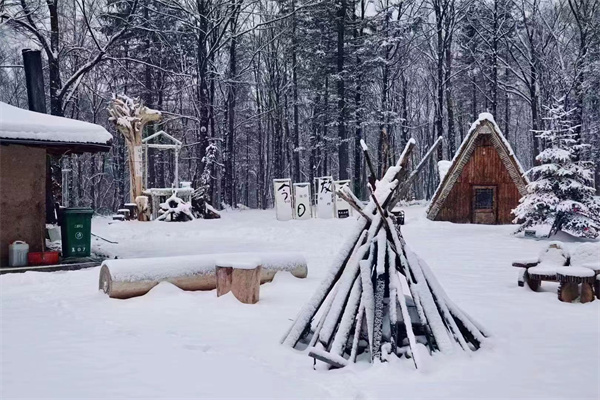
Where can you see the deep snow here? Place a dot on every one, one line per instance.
(62, 338)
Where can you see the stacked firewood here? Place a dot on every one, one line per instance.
(380, 299)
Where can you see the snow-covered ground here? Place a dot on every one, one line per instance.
(62, 338)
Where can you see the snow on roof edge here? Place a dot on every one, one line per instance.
(20, 124)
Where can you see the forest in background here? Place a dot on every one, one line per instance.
(287, 88)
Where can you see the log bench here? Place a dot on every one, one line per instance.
(125, 278)
(572, 272)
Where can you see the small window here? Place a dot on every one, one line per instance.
(484, 199)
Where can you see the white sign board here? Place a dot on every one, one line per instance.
(282, 188)
(302, 209)
(342, 208)
(325, 198)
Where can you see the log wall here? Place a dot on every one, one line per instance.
(484, 168)
(23, 197)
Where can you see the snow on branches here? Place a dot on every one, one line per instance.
(560, 192)
(200, 205)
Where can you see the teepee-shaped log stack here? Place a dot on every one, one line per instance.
(379, 297)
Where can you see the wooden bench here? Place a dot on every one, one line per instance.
(555, 264)
(544, 267)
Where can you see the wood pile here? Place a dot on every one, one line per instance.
(379, 298)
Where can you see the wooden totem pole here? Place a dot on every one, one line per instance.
(130, 117)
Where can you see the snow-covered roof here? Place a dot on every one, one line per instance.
(29, 127)
(485, 124)
(164, 134)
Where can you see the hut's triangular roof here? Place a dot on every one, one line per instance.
(485, 125)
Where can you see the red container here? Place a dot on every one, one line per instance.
(43, 257)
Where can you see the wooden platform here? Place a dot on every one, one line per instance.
(65, 266)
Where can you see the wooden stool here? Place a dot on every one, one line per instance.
(132, 207)
(535, 275)
(570, 278)
(125, 213)
(242, 279)
(596, 283)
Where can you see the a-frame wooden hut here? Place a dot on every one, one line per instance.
(484, 182)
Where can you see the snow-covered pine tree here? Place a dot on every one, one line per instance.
(560, 192)
(201, 196)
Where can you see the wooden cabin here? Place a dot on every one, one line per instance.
(484, 181)
(26, 137)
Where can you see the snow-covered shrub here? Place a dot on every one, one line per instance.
(560, 192)
(175, 209)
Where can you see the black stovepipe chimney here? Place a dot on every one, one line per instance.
(34, 77)
(36, 96)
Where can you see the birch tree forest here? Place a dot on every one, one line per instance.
(264, 89)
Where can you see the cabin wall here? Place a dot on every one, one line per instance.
(22, 197)
(485, 167)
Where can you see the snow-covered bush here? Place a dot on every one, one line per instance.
(175, 209)
(560, 192)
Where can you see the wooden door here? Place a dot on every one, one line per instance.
(485, 205)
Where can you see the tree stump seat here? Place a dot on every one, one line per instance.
(535, 275)
(124, 212)
(133, 208)
(570, 278)
(240, 278)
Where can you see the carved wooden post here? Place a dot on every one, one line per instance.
(130, 117)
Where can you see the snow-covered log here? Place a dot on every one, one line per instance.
(123, 279)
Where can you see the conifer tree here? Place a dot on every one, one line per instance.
(561, 192)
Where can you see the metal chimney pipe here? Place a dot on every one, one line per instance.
(36, 96)
(34, 78)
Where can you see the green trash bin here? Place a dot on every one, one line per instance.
(76, 232)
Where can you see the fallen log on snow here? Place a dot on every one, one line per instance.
(122, 279)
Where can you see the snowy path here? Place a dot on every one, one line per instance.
(61, 338)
